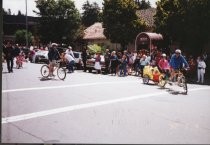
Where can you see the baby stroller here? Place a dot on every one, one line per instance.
(151, 73)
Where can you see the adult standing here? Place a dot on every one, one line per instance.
(70, 52)
(123, 66)
(191, 75)
(85, 54)
(113, 62)
(107, 61)
(97, 65)
(201, 69)
(143, 63)
(9, 56)
(16, 50)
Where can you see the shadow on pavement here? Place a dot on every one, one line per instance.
(173, 92)
(47, 79)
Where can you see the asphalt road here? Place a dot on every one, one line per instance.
(92, 108)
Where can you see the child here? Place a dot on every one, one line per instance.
(19, 60)
(123, 67)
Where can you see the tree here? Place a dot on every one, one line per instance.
(20, 37)
(19, 13)
(8, 12)
(91, 14)
(59, 21)
(4, 12)
(184, 21)
(120, 21)
(143, 4)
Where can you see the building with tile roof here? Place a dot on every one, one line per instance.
(94, 34)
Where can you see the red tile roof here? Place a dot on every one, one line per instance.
(95, 31)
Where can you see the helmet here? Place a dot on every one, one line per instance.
(163, 55)
(178, 51)
(54, 44)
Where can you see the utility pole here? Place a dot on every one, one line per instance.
(26, 26)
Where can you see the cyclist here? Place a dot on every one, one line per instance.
(177, 62)
(53, 55)
(164, 65)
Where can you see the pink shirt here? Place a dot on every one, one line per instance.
(164, 64)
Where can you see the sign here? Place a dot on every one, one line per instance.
(143, 39)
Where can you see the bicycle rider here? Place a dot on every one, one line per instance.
(164, 65)
(177, 62)
(53, 55)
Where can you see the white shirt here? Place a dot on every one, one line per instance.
(70, 52)
(201, 64)
(69, 57)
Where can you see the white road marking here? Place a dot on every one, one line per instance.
(83, 106)
(65, 86)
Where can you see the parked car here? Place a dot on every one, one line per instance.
(41, 56)
(91, 62)
(78, 60)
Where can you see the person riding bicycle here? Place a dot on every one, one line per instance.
(53, 55)
(177, 62)
(164, 65)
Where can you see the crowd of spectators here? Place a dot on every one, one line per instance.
(124, 63)
(120, 63)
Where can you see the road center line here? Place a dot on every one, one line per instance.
(66, 86)
(83, 106)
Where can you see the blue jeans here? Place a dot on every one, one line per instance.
(123, 69)
(71, 66)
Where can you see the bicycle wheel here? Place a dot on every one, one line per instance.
(162, 81)
(61, 72)
(183, 84)
(45, 71)
(146, 79)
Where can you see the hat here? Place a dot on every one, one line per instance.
(54, 44)
(163, 55)
(70, 47)
(178, 51)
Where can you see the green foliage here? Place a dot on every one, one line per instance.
(185, 21)
(91, 14)
(20, 36)
(120, 21)
(60, 20)
(95, 49)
